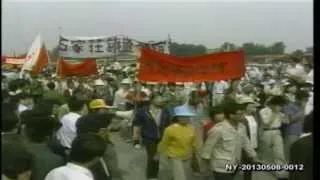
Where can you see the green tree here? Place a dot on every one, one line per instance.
(187, 49)
(278, 48)
(297, 53)
(228, 46)
(251, 48)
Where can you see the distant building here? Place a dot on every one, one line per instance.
(309, 51)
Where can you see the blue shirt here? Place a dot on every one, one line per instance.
(295, 128)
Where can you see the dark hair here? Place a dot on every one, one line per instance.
(22, 96)
(194, 94)
(44, 107)
(13, 85)
(92, 123)
(4, 94)
(52, 101)
(292, 84)
(86, 147)
(216, 110)
(16, 160)
(277, 100)
(308, 123)
(75, 104)
(51, 85)
(232, 108)
(22, 83)
(129, 106)
(302, 95)
(9, 118)
(38, 125)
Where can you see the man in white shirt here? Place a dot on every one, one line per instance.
(86, 151)
(68, 131)
(121, 94)
(225, 143)
(272, 147)
(219, 89)
(250, 121)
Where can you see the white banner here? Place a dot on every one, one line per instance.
(101, 47)
(33, 54)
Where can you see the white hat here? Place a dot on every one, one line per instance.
(99, 82)
(126, 81)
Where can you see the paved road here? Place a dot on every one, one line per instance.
(132, 162)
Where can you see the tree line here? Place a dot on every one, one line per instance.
(249, 48)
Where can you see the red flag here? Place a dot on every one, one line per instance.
(154, 66)
(79, 68)
(37, 57)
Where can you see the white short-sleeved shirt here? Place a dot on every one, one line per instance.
(68, 132)
(120, 97)
(224, 145)
(220, 87)
(309, 105)
(269, 120)
(70, 172)
(253, 127)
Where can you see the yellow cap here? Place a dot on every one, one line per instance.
(97, 104)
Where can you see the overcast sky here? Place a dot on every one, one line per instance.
(209, 24)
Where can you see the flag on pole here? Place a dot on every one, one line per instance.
(160, 67)
(36, 58)
(76, 68)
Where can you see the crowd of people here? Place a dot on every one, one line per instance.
(56, 128)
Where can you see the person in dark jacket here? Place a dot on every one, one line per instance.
(39, 127)
(149, 123)
(301, 153)
(250, 121)
(16, 164)
(107, 167)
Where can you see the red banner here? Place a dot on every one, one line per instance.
(80, 68)
(15, 60)
(154, 66)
